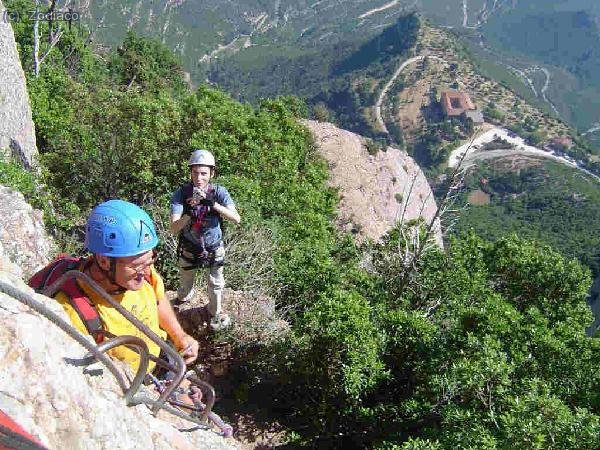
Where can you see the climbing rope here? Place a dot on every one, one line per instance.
(27, 299)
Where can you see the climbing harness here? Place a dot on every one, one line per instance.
(201, 413)
(191, 246)
(204, 259)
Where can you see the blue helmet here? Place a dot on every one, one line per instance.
(118, 228)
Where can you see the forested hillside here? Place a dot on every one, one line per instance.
(392, 345)
(555, 45)
(207, 31)
(340, 82)
(545, 47)
(539, 200)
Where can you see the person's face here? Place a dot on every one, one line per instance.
(201, 176)
(131, 270)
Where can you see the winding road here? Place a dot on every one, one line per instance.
(545, 88)
(387, 86)
(523, 74)
(595, 127)
(521, 148)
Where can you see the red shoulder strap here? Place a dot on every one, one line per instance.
(14, 436)
(82, 305)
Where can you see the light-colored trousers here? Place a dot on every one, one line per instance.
(214, 280)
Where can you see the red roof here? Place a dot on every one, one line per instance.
(454, 103)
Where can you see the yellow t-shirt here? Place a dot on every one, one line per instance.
(142, 303)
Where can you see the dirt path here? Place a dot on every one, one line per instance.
(387, 86)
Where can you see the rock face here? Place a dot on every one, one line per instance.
(51, 398)
(377, 191)
(64, 407)
(17, 132)
(23, 238)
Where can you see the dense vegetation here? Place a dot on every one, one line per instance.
(545, 201)
(338, 78)
(479, 347)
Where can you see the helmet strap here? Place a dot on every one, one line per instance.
(110, 275)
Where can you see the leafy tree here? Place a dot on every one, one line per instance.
(472, 333)
(146, 63)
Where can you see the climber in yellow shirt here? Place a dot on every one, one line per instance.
(121, 238)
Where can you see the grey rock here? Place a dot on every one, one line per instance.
(23, 237)
(377, 191)
(63, 406)
(17, 131)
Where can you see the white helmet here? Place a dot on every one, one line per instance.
(201, 158)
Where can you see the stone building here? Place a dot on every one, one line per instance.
(459, 104)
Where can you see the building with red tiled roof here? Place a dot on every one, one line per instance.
(456, 103)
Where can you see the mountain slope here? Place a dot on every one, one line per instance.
(548, 45)
(202, 32)
(556, 43)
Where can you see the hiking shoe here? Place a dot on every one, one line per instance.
(220, 322)
(190, 295)
(176, 302)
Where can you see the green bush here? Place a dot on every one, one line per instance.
(344, 345)
(474, 329)
(14, 176)
(57, 212)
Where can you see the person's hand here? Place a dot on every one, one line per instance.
(187, 347)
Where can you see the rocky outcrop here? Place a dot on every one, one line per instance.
(376, 191)
(23, 237)
(66, 406)
(17, 132)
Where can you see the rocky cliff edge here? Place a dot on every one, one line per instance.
(376, 190)
(17, 132)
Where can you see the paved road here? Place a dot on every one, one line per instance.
(492, 154)
(521, 148)
(595, 127)
(379, 9)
